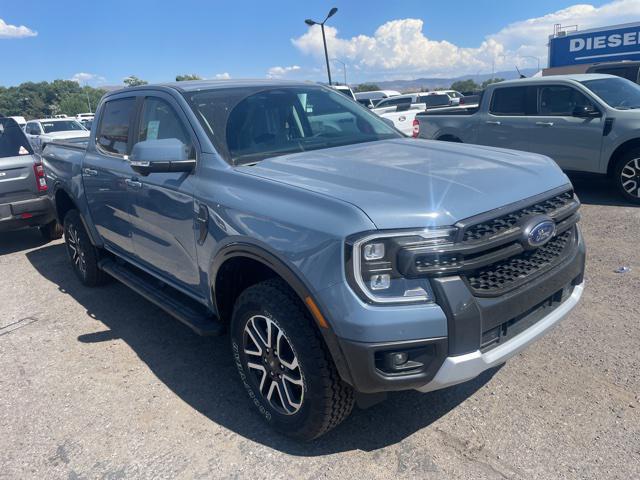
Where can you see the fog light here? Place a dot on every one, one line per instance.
(380, 282)
(399, 359)
(373, 251)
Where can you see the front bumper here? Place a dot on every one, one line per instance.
(480, 332)
(32, 212)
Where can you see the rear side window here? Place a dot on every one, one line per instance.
(113, 136)
(509, 101)
(12, 140)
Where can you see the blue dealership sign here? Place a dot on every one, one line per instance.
(620, 42)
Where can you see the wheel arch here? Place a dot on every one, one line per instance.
(621, 150)
(266, 265)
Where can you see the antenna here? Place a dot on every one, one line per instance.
(520, 73)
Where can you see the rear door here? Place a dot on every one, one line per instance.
(17, 175)
(107, 174)
(506, 124)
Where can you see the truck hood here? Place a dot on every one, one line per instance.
(66, 134)
(408, 183)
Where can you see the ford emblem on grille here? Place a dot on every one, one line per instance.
(538, 231)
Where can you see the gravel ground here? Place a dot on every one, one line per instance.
(101, 384)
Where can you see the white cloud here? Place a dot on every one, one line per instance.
(223, 76)
(83, 77)
(279, 72)
(400, 48)
(12, 31)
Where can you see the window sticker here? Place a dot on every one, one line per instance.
(23, 151)
(152, 129)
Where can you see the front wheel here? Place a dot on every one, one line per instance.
(627, 176)
(284, 364)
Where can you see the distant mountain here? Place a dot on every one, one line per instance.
(433, 83)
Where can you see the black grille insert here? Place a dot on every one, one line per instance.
(484, 230)
(509, 273)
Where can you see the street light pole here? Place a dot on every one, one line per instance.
(311, 23)
(537, 59)
(344, 68)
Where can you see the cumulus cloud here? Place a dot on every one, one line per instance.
(83, 77)
(401, 47)
(13, 31)
(279, 72)
(223, 76)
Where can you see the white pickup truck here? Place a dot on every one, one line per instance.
(402, 110)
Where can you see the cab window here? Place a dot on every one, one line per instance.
(113, 134)
(559, 100)
(509, 101)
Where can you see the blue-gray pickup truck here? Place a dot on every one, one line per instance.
(344, 259)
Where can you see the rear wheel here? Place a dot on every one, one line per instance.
(284, 364)
(627, 175)
(51, 231)
(83, 255)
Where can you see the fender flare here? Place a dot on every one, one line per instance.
(294, 280)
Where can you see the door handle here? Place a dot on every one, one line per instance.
(133, 183)
(90, 172)
(544, 124)
(493, 122)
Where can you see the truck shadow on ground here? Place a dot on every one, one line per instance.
(12, 242)
(597, 190)
(201, 372)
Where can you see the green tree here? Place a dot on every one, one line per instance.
(465, 86)
(187, 76)
(489, 81)
(43, 99)
(133, 81)
(366, 87)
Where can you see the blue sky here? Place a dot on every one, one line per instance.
(107, 41)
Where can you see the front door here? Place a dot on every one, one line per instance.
(162, 211)
(106, 175)
(573, 142)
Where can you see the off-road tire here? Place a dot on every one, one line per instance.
(326, 400)
(83, 255)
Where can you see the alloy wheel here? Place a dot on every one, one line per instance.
(75, 250)
(630, 177)
(274, 365)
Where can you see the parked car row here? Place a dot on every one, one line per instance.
(345, 259)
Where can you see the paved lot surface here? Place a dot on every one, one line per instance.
(101, 384)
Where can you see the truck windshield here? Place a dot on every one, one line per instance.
(250, 124)
(61, 126)
(13, 141)
(617, 92)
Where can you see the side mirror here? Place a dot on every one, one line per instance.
(389, 122)
(586, 111)
(158, 156)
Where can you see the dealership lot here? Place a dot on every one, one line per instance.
(101, 384)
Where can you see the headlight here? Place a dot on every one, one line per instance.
(374, 267)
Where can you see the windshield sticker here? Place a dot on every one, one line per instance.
(152, 129)
(23, 151)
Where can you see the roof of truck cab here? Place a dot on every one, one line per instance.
(578, 77)
(197, 85)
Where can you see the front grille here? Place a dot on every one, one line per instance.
(495, 226)
(515, 270)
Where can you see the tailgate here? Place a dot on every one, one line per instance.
(17, 178)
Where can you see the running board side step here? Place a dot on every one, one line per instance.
(188, 311)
